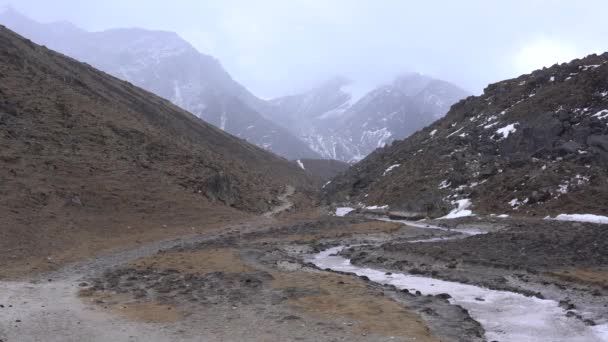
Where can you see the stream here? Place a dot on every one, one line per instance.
(505, 316)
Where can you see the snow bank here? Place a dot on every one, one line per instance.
(342, 211)
(461, 211)
(581, 218)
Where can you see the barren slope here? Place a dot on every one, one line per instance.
(537, 144)
(85, 156)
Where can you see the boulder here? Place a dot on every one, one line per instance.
(569, 147)
(406, 215)
(600, 141)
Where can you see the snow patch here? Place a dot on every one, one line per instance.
(581, 218)
(458, 130)
(433, 132)
(390, 168)
(514, 203)
(343, 211)
(444, 184)
(602, 114)
(376, 207)
(300, 164)
(461, 211)
(507, 130)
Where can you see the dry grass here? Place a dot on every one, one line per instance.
(348, 298)
(199, 261)
(64, 245)
(583, 276)
(125, 306)
(346, 230)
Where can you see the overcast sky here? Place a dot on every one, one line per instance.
(275, 47)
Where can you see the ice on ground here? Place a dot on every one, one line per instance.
(458, 130)
(390, 168)
(300, 164)
(503, 216)
(444, 184)
(582, 218)
(490, 125)
(602, 114)
(375, 207)
(461, 211)
(505, 316)
(507, 130)
(343, 211)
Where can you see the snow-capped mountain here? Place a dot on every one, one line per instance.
(338, 125)
(165, 64)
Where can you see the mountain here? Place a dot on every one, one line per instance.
(536, 144)
(85, 156)
(167, 65)
(339, 125)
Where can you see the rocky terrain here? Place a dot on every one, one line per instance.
(127, 218)
(338, 124)
(533, 145)
(86, 156)
(168, 66)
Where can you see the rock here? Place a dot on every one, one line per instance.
(444, 296)
(220, 187)
(406, 215)
(570, 147)
(276, 299)
(600, 141)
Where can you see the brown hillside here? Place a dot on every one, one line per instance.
(86, 156)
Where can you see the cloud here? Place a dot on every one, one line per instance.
(544, 52)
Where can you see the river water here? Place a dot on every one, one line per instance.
(505, 316)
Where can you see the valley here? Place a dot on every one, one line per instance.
(148, 196)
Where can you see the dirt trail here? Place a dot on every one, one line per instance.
(286, 204)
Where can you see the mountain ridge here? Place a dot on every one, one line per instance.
(341, 127)
(534, 145)
(167, 65)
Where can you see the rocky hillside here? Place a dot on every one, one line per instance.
(165, 64)
(533, 145)
(338, 125)
(83, 151)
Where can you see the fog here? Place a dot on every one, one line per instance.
(277, 47)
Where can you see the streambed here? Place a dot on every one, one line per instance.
(505, 316)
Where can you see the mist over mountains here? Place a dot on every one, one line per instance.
(339, 126)
(328, 122)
